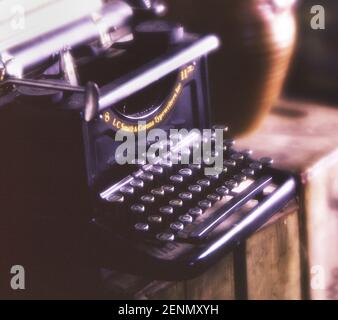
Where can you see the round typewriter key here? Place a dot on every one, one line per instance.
(168, 189)
(185, 172)
(248, 172)
(137, 183)
(229, 163)
(116, 198)
(266, 161)
(195, 212)
(177, 226)
(237, 156)
(137, 173)
(146, 167)
(142, 227)
(155, 219)
(222, 191)
(158, 192)
(176, 178)
(195, 167)
(138, 208)
(224, 170)
(165, 237)
(149, 198)
(158, 170)
(247, 153)
(204, 183)
(256, 166)
(167, 164)
(176, 203)
(214, 197)
(231, 184)
(229, 143)
(186, 219)
(205, 204)
(127, 190)
(167, 210)
(195, 188)
(147, 176)
(207, 160)
(185, 196)
(225, 129)
(214, 176)
(240, 177)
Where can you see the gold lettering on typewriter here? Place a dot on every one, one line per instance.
(168, 106)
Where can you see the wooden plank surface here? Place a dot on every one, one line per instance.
(299, 136)
(303, 138)
(218, 283)
(273, 261)
(321, 213)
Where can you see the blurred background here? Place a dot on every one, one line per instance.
(314, 70)
(269, 49)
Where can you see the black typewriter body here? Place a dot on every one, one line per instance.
(61, 180)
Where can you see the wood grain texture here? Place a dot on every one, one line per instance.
(321, 213)
(217, 283)
(299, 136)
(273, 261)
(303, 139)
(161, 290)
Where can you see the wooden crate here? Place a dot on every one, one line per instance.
(303, 138)
(294, 256)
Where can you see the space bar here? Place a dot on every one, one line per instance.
(203, 229)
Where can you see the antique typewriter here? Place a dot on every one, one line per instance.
(66, 96)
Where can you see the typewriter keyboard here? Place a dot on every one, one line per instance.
(173, 202)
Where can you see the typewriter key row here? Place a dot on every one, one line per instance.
(161, 200)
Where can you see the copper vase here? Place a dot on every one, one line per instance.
(247, 74)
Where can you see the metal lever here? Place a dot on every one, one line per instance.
(255, 219)
(44, 84)
(91, 92)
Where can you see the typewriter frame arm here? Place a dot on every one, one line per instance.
(153, 71)
(250, 223)
(98, 99)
